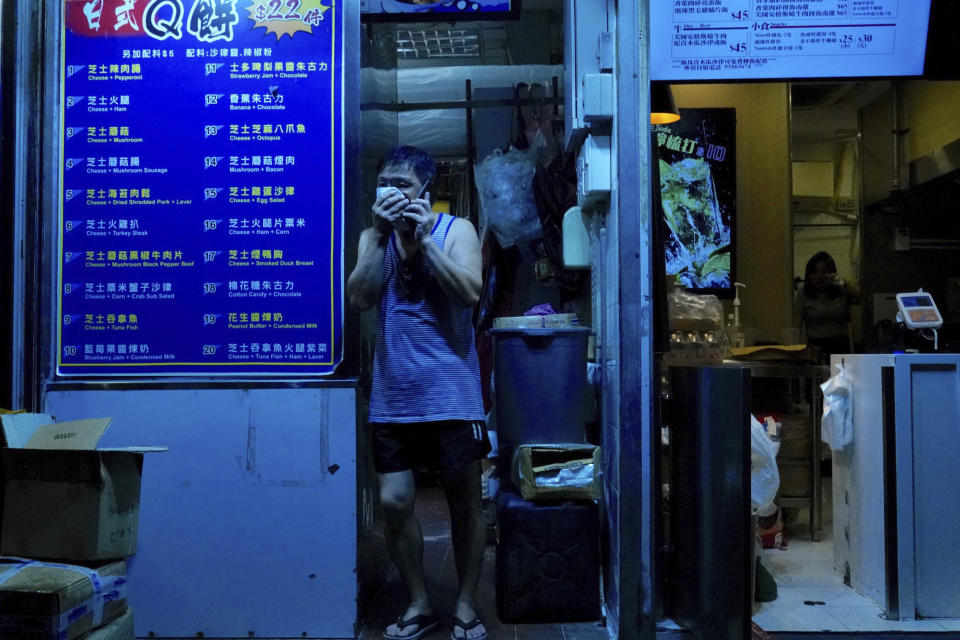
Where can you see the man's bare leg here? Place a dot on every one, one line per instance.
(469, 533)
(404, 542)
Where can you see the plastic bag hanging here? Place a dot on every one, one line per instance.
(505, 184)
(836, 423)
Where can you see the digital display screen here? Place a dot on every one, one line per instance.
(917, 301)
(923, 315)
(695, 40)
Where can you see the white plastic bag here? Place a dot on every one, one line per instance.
(764, 475)
(505, 184)
(836, 424)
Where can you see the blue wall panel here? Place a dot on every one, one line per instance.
(248, 522)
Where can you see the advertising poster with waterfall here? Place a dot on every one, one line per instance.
(698, 185)
(201, 216)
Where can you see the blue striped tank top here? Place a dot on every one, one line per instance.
(425, 365)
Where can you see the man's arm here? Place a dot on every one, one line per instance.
(363, 285)
(459, 266)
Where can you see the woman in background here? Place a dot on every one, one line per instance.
(822, 302)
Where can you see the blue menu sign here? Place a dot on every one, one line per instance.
(202, 206)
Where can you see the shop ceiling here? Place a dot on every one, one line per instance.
(853, 94)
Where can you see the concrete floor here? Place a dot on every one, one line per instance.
(383, 596)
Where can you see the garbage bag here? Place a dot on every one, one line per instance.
(764, 475)
(836, 423)
(505, 184)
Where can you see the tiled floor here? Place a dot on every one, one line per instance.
(380, 606)
(804, 572)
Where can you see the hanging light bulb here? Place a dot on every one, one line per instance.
(663, 108)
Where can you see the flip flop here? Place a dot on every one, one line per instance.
(425, 624)
(457, 622)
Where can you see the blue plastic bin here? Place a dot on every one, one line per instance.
(540, 383)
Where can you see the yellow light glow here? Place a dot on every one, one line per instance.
(663, 118)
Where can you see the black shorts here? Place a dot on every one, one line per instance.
(445, 445)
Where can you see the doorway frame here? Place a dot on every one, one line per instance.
(633, 381)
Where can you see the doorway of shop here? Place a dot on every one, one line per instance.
(465, 91)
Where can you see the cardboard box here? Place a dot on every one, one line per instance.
(47, 601)
(795, 437)
(794, 481)
(64, 498)
(119, 629)
(557, 471)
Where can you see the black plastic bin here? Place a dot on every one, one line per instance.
(540, 381)
(548, 560)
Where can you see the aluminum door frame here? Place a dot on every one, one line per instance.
(914, 398)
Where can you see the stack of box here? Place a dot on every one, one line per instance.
(547, 559)
(70, 514)
(48, 600)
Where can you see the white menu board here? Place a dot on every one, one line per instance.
(786, 39)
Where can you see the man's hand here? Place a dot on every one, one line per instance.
(388, 211)
(420, 218)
